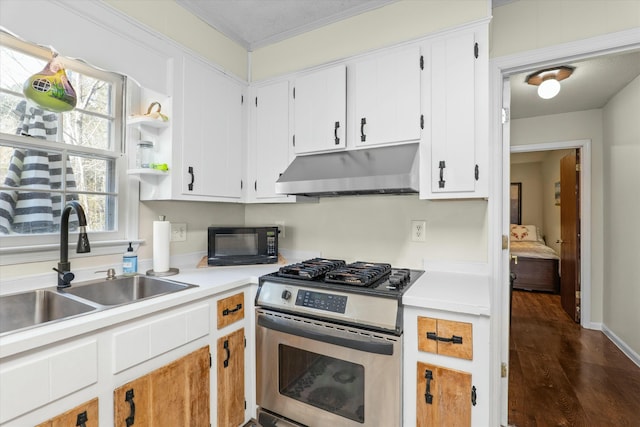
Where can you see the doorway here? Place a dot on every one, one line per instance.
(501, 69)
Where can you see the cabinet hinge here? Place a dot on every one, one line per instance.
(577, 167)
(421, 121)
(210, 361)
(421, 62)
(245, 404)
(256, 101)
(476, 172)
(294, 93)
(245, 342)
(503, 370)
(294, 140)
(475, 50)
(505, 244)
(241, 184)
(505, 115)
(255, 185)
(474, 395)
(241, 99)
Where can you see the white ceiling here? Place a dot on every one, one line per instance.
(258, 23)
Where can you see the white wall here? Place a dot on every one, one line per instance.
(551, 175)
(621, 293)
(569, 127)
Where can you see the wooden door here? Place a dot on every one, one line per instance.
(444, 397)
(230, 353)
(570, 234)
(85, 415)
(176, 394)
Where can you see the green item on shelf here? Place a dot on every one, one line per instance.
(160, 166)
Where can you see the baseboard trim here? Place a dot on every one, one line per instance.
(628, 351)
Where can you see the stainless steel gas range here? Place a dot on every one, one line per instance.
(329, 344)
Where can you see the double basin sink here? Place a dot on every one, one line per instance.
(34, 308)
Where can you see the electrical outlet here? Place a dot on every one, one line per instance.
(281, 229)
(418, 231)
(178, 232)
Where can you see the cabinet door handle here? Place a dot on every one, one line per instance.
(335, 133)
(227, 311)
(363, 121)
(454, 338)
(441, 165)
(82, 419)
(132, 414)
(193, 177)
(226, 347)
(428, 397)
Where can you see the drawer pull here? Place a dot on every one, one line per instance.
(428, 397)
(132, 415)
(227, 311)
(82, 419)
(226, 347)
(454, 338)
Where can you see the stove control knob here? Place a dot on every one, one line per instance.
(286, 294)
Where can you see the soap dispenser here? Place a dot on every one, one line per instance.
(129, 262)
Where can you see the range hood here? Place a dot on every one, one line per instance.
(384, 170)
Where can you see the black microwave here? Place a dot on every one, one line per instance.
(242, 245)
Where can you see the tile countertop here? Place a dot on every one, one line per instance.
(210, 281)
(450, 291)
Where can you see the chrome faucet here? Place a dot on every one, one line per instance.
(65, 276)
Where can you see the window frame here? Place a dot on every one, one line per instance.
(41, 247)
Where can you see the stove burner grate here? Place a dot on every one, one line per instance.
(358, 274)
(310, 269)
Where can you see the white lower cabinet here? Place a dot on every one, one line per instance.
(446, 380)
(171, 351)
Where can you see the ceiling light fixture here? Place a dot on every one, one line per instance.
(548, 80)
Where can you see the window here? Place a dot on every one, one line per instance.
(49, 158)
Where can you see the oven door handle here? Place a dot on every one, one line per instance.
(365, 345)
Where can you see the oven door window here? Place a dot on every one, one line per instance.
(334, 385)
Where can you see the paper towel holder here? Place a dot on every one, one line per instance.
(171, 272)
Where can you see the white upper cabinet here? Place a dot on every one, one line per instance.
(455, 140)
(270, 140)
(320, 110)
(387, 97)
(212, 133)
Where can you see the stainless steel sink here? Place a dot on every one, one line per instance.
(123, 290)
(33, 308)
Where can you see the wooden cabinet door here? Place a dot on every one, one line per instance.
(320, 108)
(85, 415)
(444, 397)
(230, 362)
(271, 136)
(230, 310)
(212, 132)
(175, 394)
(387, 98)
(446, 337)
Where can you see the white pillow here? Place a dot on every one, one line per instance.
(524, 233)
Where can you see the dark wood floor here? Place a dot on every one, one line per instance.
(563, 375)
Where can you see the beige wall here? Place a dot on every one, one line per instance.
(394, 23)
(174, 21)
(551, 175)
(622, 200)
(525, 25)
(530, 176)
(569, 127)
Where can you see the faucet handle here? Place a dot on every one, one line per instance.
(111, 273)
(64, 278)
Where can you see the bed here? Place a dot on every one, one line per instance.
(536, 266)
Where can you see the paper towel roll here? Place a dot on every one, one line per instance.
(161, 239)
